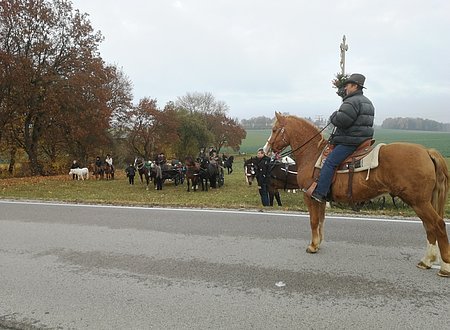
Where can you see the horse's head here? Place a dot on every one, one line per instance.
(295, 132)
(204, 163)
(189, 161)
(278, 139)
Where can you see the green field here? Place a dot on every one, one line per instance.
(438, 140)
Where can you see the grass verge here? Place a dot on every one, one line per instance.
(235, 194)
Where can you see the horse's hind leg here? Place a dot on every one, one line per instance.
(436, 233)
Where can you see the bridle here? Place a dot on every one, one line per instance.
(280, 130)
(139, 165)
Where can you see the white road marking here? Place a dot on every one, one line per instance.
(260, 213)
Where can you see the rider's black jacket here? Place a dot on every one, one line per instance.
(353, 120)
(263, 171)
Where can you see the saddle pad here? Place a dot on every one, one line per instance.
(367, 162)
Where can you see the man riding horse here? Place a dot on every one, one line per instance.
(353, 124)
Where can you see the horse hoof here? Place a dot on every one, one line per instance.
(311, 250)
(422, 265)
(444, 273)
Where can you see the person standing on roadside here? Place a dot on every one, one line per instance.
(74, 166)
(131, 172)
(263, 176)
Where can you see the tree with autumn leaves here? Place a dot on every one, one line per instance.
(180, 129)
(224, 131)
(148, 130)
(60, 101)
(57, 94)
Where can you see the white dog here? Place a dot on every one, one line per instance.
(80, 172)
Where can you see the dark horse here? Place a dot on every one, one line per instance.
(144, 171)
(98, 171)
(109, 171)
(228, 164)
(417, 175)
(282, 176)
(208, 173)
(212, 171)
(192, 173)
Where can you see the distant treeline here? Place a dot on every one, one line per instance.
(415, 124)
(266, 123)
(257, 123)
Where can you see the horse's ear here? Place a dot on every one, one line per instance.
(280, 117)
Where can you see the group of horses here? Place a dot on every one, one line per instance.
(99, 171)
(198, 172)
(206, 172)
(103, 171)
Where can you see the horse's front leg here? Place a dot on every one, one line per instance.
(316, 219)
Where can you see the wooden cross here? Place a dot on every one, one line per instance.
(344, 48)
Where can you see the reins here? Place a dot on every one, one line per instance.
(291, 152)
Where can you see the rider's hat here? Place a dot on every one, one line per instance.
(356, 78)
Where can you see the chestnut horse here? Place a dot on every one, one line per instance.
(417, 175)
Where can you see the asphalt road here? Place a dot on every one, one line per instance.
(100, 267)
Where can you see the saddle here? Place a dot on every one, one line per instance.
(364, 158)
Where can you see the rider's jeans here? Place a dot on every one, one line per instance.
(264, 193)
(337, 156)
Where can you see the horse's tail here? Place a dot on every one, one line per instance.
(87, 175)
(440, 191)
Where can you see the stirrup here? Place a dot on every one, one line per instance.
(311, 189)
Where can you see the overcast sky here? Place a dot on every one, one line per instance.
(261, 56)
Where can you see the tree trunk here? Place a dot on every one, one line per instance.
(32, 132)
(12, 159)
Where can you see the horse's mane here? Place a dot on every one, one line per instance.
(305, 121)
(307, 126)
